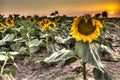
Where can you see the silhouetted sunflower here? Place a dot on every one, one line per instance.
(1, 26)
(85, 28)
(32, 20)
(9, 22)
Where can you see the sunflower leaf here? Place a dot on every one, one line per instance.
(59, 56)
(34, 42)
(69, 60)
(89, 53)
(82, 50)
(8, 37)
(98, 75)
(61, 40)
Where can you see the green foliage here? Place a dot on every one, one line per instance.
(59, 56)
(6, 57)
(28, 38)
(89, 53)
(98, 75)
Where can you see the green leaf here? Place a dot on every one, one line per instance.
(23, 50)
(2, 43)
(34, 42)
(89, 53)
(8, 37)
(59, 56)
(45, 35)
(70, 60)
(2, 57)
(83, 50)
(98, 75)
(61, 40)
(94, 58)
(15, 46)
(53, 47)
(33, 49)
(107, 49)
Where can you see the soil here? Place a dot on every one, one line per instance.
(38, 71)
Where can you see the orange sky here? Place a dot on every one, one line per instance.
(67, 7)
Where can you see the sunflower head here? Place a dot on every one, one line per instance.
(9, 22)
(85, 28)
(31, 19)
(1, 26)
(44, 24)
(57, 18)
(52, 24)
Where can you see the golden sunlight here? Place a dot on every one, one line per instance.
(111, 12)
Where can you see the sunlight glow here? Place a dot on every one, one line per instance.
(111, 12)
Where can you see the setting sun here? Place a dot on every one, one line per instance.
(111, 12)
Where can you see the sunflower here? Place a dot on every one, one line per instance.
(52, 24)
(9, 22)
(32, 20)
(85, 28)
(57, 18)
(44, 24)
(1, 26)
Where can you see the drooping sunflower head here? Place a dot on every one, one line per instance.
(1, 26)
(44, 24)
(85, 28)
(31, 19)
(9, 22)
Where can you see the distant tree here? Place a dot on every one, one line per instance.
(104, 14)
(97, 15)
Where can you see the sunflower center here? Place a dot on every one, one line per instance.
(32, 20)
(9, 21)
(86, 28)
(0, 25)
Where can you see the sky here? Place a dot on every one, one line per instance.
(67, 7)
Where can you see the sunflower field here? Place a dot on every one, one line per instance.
(59, 47)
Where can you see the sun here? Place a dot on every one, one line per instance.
(111, 12)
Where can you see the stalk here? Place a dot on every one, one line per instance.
(84, 71)
(5, 62)
(28, 46)
(47, 42)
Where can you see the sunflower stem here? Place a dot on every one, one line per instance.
(5, 62)
(47, 42)
(84, 71)
(28, 46)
